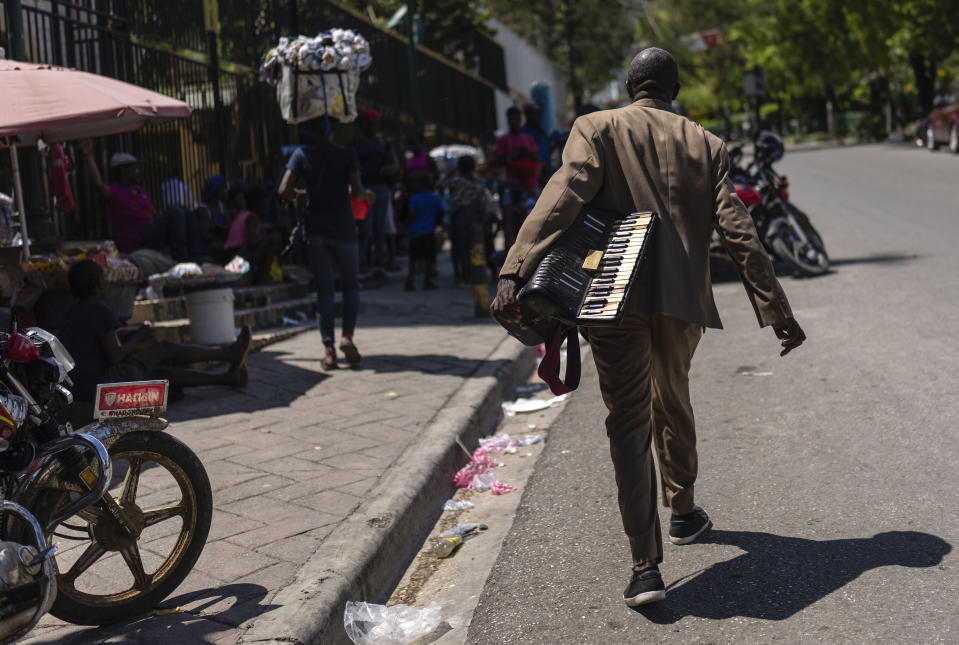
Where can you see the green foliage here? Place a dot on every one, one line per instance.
(589, 43)
(854, 54)
(450, 27)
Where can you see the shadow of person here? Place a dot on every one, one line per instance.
(206, 615)
(779, 576)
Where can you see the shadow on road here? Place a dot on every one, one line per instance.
(882, 258)
(423, 363)
(780, 576)
(723, 270)
(196, 625)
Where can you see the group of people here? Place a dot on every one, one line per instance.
(642, 157)
(229, 220)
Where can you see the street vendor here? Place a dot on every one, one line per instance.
(131, 212)
(106, 352)
(331, 173)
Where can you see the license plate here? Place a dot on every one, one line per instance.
(142, 398)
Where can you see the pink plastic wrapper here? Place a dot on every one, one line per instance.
(499, 488)
(495, 444)
(481, 464)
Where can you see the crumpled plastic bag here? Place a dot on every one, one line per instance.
(450, 505)
(495, 444)
(512, 408)
(238, 265)
(369, 624)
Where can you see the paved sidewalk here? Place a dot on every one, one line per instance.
(295, 453)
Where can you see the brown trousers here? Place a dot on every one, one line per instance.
(643, 367)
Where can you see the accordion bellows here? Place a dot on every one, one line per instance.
(587, 276)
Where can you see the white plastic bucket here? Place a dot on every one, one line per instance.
(211, 316)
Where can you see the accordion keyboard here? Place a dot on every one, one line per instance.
(609, 286)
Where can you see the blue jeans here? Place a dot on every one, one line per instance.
(326, 257)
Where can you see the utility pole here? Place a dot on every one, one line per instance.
(411, 56)
(14, 20)
(294, 20)
(211, 20)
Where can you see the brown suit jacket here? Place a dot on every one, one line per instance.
(645, 157)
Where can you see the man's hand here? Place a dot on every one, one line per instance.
(790, 333)
(505, 303)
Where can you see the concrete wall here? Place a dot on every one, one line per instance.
(524, 66)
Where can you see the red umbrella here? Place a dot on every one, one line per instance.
(60, 104)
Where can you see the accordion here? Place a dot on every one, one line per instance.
(586, 277)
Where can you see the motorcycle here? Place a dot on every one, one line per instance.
(786, 231)
(88, 530)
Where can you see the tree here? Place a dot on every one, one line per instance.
(450, 27)
(588, 43)
(927, 34)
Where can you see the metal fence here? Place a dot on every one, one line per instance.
(236, 128)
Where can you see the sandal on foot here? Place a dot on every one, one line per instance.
(350, 352)
(329, 360)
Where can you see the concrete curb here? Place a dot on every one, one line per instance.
(366, 555)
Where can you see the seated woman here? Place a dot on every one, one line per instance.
(251, 238)
(89, 330)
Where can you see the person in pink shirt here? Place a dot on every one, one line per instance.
(250, 238)
(518, 152)
(131, 212)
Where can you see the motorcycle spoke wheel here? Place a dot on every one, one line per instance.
(164, 495)
(806, 258)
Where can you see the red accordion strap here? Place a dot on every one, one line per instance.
(549, 366)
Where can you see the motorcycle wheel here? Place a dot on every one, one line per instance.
(115, 568)
(931, 142)
(921, 135)
(806, 258)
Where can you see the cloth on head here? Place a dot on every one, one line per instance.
(369, 115)
(211, 185)
(122, 159)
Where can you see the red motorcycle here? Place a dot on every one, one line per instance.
(786, 231)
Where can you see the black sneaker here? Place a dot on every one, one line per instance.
(645, 586)
(684, 529)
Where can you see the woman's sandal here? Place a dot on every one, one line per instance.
(350, 352)
(329, 359)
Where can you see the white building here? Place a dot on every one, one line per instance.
(525, 65)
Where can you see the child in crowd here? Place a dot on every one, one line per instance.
(468, 200)
(426, 216)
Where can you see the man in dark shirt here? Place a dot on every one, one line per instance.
(330, 172)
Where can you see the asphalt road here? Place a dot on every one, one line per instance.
(831, 474)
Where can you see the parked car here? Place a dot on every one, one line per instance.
(942, 125)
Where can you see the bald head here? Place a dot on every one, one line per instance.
(653, 71)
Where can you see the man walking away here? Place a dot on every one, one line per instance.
(644, 157)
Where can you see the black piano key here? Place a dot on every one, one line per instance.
(594, 304)
(603, 281)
